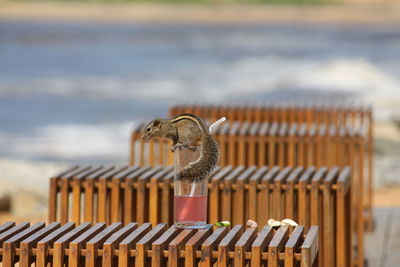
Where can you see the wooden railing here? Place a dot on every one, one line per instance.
(306, 115)
(141, 245)
(309, 196)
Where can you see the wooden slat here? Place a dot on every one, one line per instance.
(116, 198)
(130, 195)
(227, 244)
(154, 200)
(309, 249)
(176, 245)
(89, 205)
(227, 193)
(214, 194)
(276, 246)
(209, 246)
(103, 209)
(67, 234)
(112, 242)
(26, 245)
(243, 245)
(193, 244)
(9, 246)
(53, 193)
(260, 244)
(142, 196)
(96, 242)
(144, 244)
(124, 259)
(292, 245)
(76, 246)
(157, 258)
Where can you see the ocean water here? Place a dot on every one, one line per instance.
(71, 92)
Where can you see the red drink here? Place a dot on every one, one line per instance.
(190, 209)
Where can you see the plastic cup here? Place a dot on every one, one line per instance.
(190, 198)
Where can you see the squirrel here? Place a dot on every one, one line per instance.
(187, 130)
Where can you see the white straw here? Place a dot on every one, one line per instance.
(215, 124)
(193, 189)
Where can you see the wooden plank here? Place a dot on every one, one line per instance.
(65, 234)
(6, 226)
(343, 219)
(130, 194)
(376, 242)
(143, 245)
(176, 245)
(93, 245)
(290, 195)
(214, 194)
(116, 199)
(89, 193)
(278, 208)
(53, 190)
(276, 246)
(154, 196)
(243, 245)
(227, 245)
(316, 206)
(77, 187)
(309, 249)
(26, 245)
(260, 244)
(124, 257)
(166, 199)
(392, 257)
(112, 242)
(227, 193)
(304, 198)
(9, 246)
(193, 244)
(293, 245)
(263, 199)
(76, 246)
(65, 189)
(328, 212)
(240, 197)
(209, 246)
(142, 210)
(254, 181)
(157, 258)
(103, 197)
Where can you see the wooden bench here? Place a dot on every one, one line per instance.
(277, 144)
(144, 245)
(344, 115)
(309, 196)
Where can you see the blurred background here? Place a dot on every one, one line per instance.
(75, 77)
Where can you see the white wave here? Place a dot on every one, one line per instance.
(72, 142)
(234, 79)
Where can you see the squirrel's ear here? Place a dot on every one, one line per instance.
(156, 122)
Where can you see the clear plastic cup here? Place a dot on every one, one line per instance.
(190, 199)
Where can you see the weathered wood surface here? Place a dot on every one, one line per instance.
(118, 245)
(382, 247)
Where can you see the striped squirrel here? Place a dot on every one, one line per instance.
(187, 130)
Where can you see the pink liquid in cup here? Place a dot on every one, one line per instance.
(190, 208)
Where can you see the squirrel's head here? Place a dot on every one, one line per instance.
(153, 129)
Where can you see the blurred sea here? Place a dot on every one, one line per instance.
(71, 92)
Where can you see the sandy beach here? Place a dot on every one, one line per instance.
(341, 12)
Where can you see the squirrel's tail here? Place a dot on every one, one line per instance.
(204, 165)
